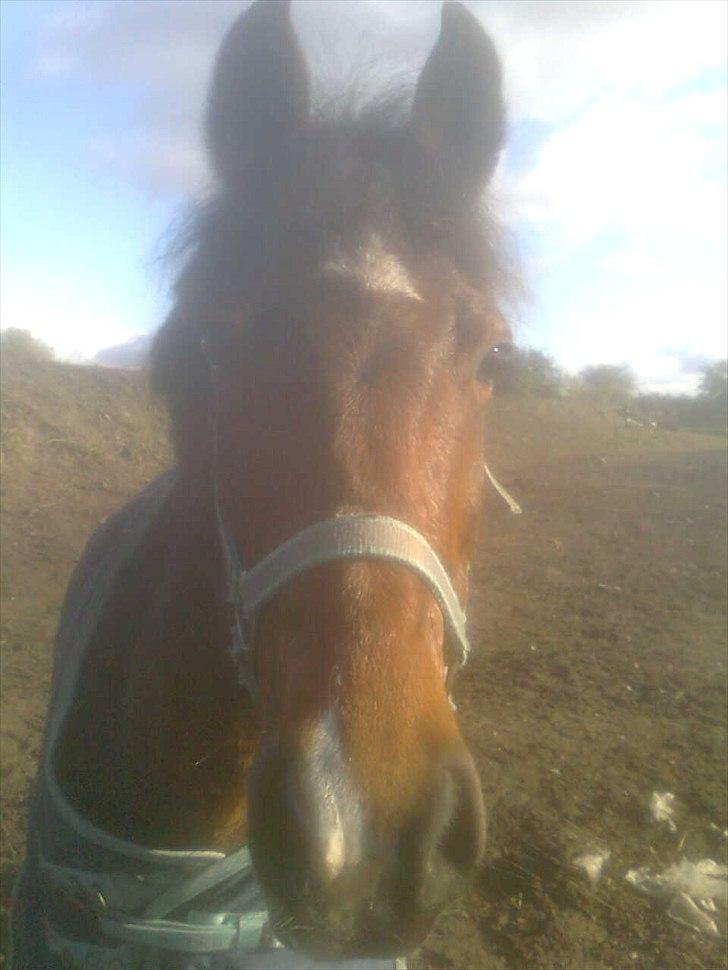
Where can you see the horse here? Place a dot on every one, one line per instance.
(251, 744)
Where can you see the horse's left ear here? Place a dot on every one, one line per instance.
(458, 114)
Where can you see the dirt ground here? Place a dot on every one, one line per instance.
(598, 676)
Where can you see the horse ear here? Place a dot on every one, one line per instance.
(260, 88)
(458, 114)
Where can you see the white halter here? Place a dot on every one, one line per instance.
(344, 537)
(362, 536)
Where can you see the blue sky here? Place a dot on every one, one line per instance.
(613, 185)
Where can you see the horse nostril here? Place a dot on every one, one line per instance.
(462, 841)
(449, 841)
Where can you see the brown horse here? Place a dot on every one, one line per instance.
(328, 358)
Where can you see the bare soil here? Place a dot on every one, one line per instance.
(598, 619)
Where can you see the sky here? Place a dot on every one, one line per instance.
(612, 187)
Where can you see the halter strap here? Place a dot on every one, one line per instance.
(345, 537)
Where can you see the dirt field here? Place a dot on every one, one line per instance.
(598, 621)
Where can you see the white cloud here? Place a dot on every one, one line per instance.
(161, 50)
(637, 165)
(627, 193)
(656, 326)
(564, 55)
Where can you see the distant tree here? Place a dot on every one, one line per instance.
(714, 382)
(530, 373)
(609, 383)
(17, 344)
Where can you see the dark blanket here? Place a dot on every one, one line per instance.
(52, 929)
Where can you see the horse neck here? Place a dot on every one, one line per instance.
(159, 739)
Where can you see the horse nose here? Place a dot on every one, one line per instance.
(342, 876)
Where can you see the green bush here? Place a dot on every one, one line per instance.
(21, 345)
(714, 382)
(530, 373)
(612, 384)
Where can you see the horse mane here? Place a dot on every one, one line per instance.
(213, 250)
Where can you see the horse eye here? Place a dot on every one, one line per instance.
(494, 363)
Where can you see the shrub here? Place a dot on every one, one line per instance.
(21, 345)
(609, 383)
(714, 382)
(530, 373)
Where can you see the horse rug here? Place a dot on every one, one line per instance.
(85, 898)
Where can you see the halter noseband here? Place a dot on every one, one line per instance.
(344, 537)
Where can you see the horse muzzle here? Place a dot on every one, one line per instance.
(344, 880)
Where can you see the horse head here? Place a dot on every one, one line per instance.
(340, 313)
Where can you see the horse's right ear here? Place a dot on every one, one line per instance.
(260, 88)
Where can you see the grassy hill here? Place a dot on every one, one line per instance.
(76, 442)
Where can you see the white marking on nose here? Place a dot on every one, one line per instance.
(334, 851)
(374, 267)
(339, 822)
